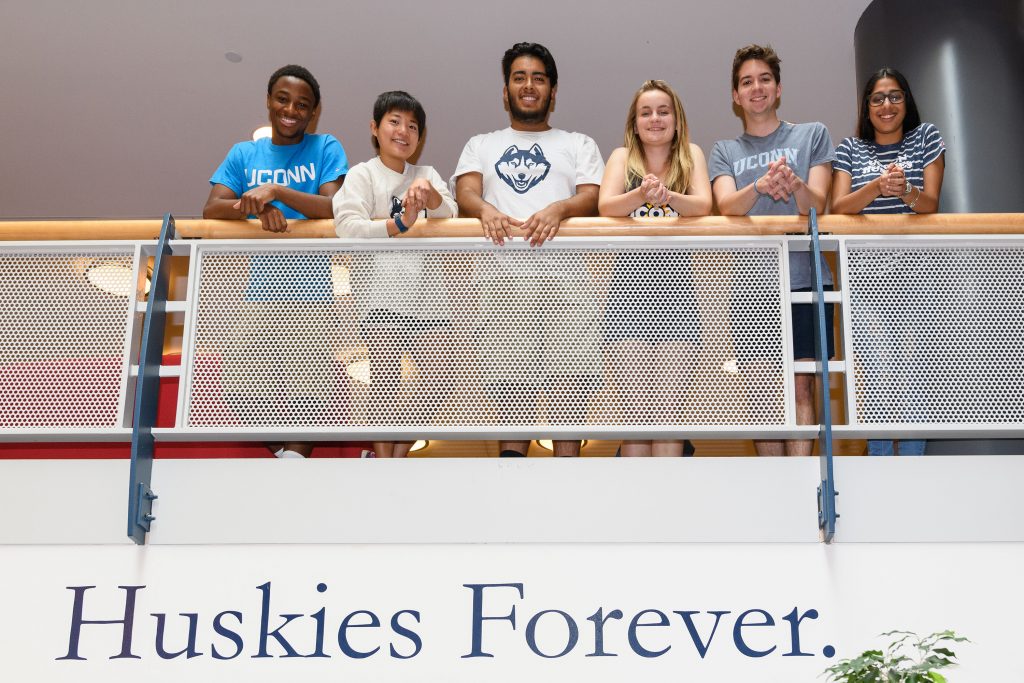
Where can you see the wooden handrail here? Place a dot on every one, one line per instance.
(719, 226)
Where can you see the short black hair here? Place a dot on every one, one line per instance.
(866, 131)
(529, 50)
(397, 100)
(295, 71)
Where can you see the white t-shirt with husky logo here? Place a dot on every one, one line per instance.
(524, 171)
(543, 297)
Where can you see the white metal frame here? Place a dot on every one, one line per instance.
(144, 249)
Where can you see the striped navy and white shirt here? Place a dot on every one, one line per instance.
(864, 161)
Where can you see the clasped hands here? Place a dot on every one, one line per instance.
(779, 182)
(256, 202)
(653, 190)
(417, 199)
(892, 182)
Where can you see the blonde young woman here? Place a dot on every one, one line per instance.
(651, 326)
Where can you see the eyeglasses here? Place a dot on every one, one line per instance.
(878, 99)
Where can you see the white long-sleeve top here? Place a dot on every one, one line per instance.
(373, 193)
(405, 282)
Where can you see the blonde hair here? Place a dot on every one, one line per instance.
(680, 165)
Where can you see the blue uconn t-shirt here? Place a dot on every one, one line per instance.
(304, 167)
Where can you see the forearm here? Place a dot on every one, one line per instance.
(858, 200)
(690, 204)
(813, 192)
(808, 198)
(223, 209)
(923, 202)
(580, 204)
(738, 202)
(620, 204)
(309, 205)
(471, 204)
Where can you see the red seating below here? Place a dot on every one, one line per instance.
(165, 418)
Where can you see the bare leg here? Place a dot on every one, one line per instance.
(566, 448)
(508, 398)
(401, 449)
(635, 449)
(804, 396)
(568, 399)
(431, 353)
(520, 447)
(672, 359)
(770, 448)
(631, 378)
(385, 379)
(667, 449)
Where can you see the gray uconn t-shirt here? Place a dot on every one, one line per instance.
(746, 158)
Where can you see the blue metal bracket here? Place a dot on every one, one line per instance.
(147, 387)
(826, 489)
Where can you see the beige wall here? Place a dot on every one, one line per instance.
(122, 108)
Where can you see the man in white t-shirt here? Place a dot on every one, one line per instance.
(526, 179)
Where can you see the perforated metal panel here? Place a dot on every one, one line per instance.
(64, 321)
(937, 333)
(565, 335)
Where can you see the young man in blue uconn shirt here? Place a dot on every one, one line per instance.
(290, 175)
(776, 168)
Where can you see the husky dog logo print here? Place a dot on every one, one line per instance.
(522, 169)
(396, 207)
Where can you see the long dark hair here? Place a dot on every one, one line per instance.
(865, 131)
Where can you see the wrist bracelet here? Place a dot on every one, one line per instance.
(402, 227)
(757, 191)
(907, 188)
(913, 203)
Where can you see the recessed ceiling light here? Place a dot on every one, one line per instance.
(113, 278)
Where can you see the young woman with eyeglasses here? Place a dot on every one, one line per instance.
(894, 165)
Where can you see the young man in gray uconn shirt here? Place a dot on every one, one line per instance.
(776, 168)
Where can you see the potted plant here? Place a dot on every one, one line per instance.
(907, 659)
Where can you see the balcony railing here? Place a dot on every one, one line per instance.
(616, 329)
